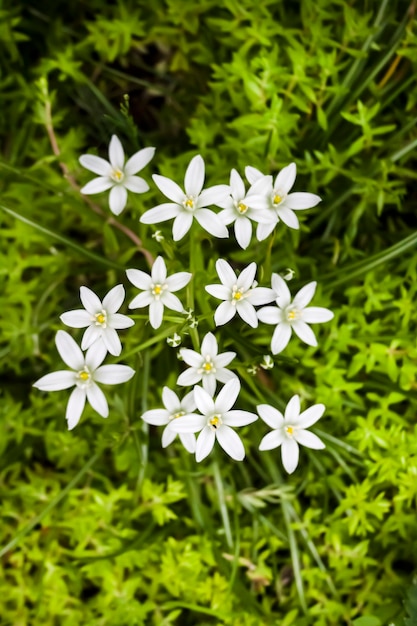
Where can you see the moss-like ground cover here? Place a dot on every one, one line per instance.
(100, 525)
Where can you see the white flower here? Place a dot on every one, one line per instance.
(100, 317)
(276, 198)
(116, 175)
(292, 315)
(175, 409)
(239, 294)
(158, 290)
(207, 366)
(289, 431)
(174, 341)
(189, 204)
(238, 209)
(268, 362)
(216, 421)
(85, 373)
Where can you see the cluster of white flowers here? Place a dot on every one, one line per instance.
(266, 203)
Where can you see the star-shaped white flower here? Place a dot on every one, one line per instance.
(175, 409)
(293, 315)
(116, 174)
(289, 431)
(86, 371)
(157, 290)
(216, 422)
(209, 366)
(239, 294)
(192, 203)
(238, 209)
(275, 197)
(100, 318)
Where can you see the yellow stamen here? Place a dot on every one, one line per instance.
(177, 415)
(84, 375)
(117, 175)
(189, 203)
(242, 208)
(100, 318)
(215, 421)
(292, 314)
(207, 366)
(277, 199)
(289, 430)
(157, 290)
(237, 295)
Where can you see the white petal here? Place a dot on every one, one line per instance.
(286, 178)
(97, 185)
(237, 185)
(156, 313)
(141, 300)
(211, 223)
(69, 350)
(226, 274)
(288, 217)
(168, 436)
(282, 293)
(90, 301)
(117, 199)
(239, 418)
(90, 336)
(111, 341)
(170, 189)
(204, 401)
(96, 164)
(181, 225)
(305, 295)
(113, 374)
(140, 279)
(311, 415)
(136, 184)
(270, 315)
(188, 441)
(116, 153)
(301, 200)
(189, 377)
(156, 417)
(230, 442)
(310, 440)
(170, 400)
(243, 232)
(95, 355)
(270, 415)
(189, 423)
(227, 396)
(209, 383)
(219, 291)
(205, 443)
(223, 375)
(224, 313)
(160, 213)
(76, 319)
(159, 271)
(75, 407)
(178, 281)
(246, 277)
(172, 302)
(290, 453)
(261, 295)
(280, 338)
(119, 321)
(315, 315)
(272, 440)
(188, 402)
(247, 312)
(191, 357)
(213, 195)
(252, 174)
(292, 410)
(194, 176)
(264, 230)
(304, 332)
(209, 345)
(223, 359)
(138, 161)
(56, 381)
(97, 399)
(114, 299)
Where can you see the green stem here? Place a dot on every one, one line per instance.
(222, 503)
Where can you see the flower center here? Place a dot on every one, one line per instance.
(290, 431)
(293, 314)
(242, 208)
(83, 378)
(207, 367)
(117, 175)
(157, 290)
(215, 421)
(100, 319)
(175, 416)
(237, 294)
(189, 203)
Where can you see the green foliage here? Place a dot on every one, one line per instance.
(98, 525)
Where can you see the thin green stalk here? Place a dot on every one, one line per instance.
(222, 503)
(36, 520)
(144, 440)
